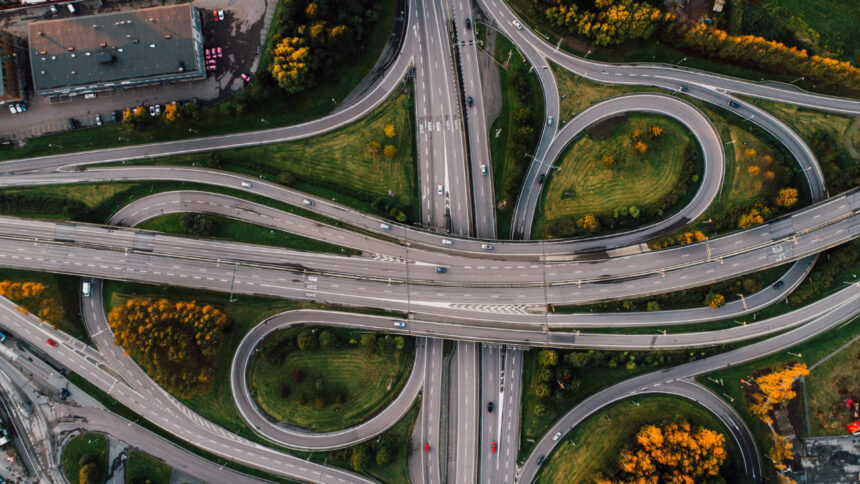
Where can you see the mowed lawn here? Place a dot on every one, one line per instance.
(339, 161)
(369, 382)
(577, 94)
(600, 438)
(142, 467)
(827, 388)
(82, 449)
(740, 189)
(586, 185)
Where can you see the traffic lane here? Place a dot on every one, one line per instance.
(298, 438)
(508, 446)
(490, 421)
(467, 413)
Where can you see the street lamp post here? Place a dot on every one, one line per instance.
(743, 301)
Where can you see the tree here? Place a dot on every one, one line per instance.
(775, 388)
(542, 390)
(640, 147)
(786, 197)
(636, 134)
(389, 151)
(383, 456)
(634, 211)
(291, 64)
(359, 460)
(672, 453)
(588, 222)
(373, 148)
(608, 160)
(547, 358)
(655, 131)
(753, 170)
(312, 10)
(198, 224)
(750, 219)
(714, 300)
(389, 130)
(171, 113)
(90, 473)
(328, 339)
(652, 306)
(175, 342)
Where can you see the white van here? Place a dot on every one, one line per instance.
(86, 288)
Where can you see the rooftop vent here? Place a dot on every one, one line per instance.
(70, 48)
(102, 44)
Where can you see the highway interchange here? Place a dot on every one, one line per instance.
(489, 298)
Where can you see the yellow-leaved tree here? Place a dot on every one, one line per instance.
(775, 388)
(290, 64)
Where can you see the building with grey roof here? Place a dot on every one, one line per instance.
(144, 47)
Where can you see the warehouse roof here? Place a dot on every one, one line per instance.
(147, 43)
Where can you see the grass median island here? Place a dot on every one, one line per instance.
(602, 436)
(810, 351)
(326, 379)
(205, 225)
(142, 468)
(627, 171)
(515, 132)
(84, 458)
(63, 295)
(577, 93)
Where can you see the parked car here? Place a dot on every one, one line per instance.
(221, 14)
(245, 77)
(54, 9)
(215, 15)
(71, 8)
(219, 51)
(115, 116)
(98, 119)
(152, 111)
(12, 109)
(22, 106)
(72, 124)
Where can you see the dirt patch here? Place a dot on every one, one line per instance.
(604, 129)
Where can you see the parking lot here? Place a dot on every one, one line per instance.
(240, 37)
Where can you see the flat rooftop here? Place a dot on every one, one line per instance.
(80, 51)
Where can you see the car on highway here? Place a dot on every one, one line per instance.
(427, 448)
(779, 284)
(440, 190)
(447, 242)
(556, 436)
(540, 460)
(549, 120)
(384, 226)
(493, 447)
(468, 23)
(734, 104)
(517, 24)
(484, 170)
(685, 89)
(486, 246)
(469, 101)
(307, 202)
(399, 324)
(51, 342)
(489, 406)
(441, 270)
(247, 184)
(541, 178)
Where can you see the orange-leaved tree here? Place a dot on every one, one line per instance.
(671, 453)
(175, 342)
(775, 388)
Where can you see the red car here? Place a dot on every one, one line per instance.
(493, 446)
(427, 448)
(51, 342)
(215, 15)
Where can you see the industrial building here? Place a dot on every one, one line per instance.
(86, 54)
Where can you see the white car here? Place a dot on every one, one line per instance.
(384, 226)
(440, 190)
(447, 242)
(484, 170)
(549, 120)
(12, 109)
(18, 108)
(53, 9)
(517, 24)
(307, 202)
(221, 15)
(399, 324)
(486, 246)
(246, 185)
(556, 436)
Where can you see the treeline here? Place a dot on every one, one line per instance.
(840, 171)
(175, 342)
(612, 22)
(378, 452)
(685, 298)
(522, 137)
(383, 206)
(199, 224)
(23, 203)
(315, 37)
(824, 276)
(29, 296)
(561, 372)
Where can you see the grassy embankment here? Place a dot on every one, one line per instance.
(142, 468)
(352, 381)
(84, 449)
(593, 446)
(280, 108)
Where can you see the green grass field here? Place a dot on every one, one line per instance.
(577, 93)
(81, 450)
(507, 166)
(600, 438)
(368, 381)
(827, 388)
(810, 351)
(142, 468)
(65, 290)
(229, 229)
(584, 184)
(280, 109)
